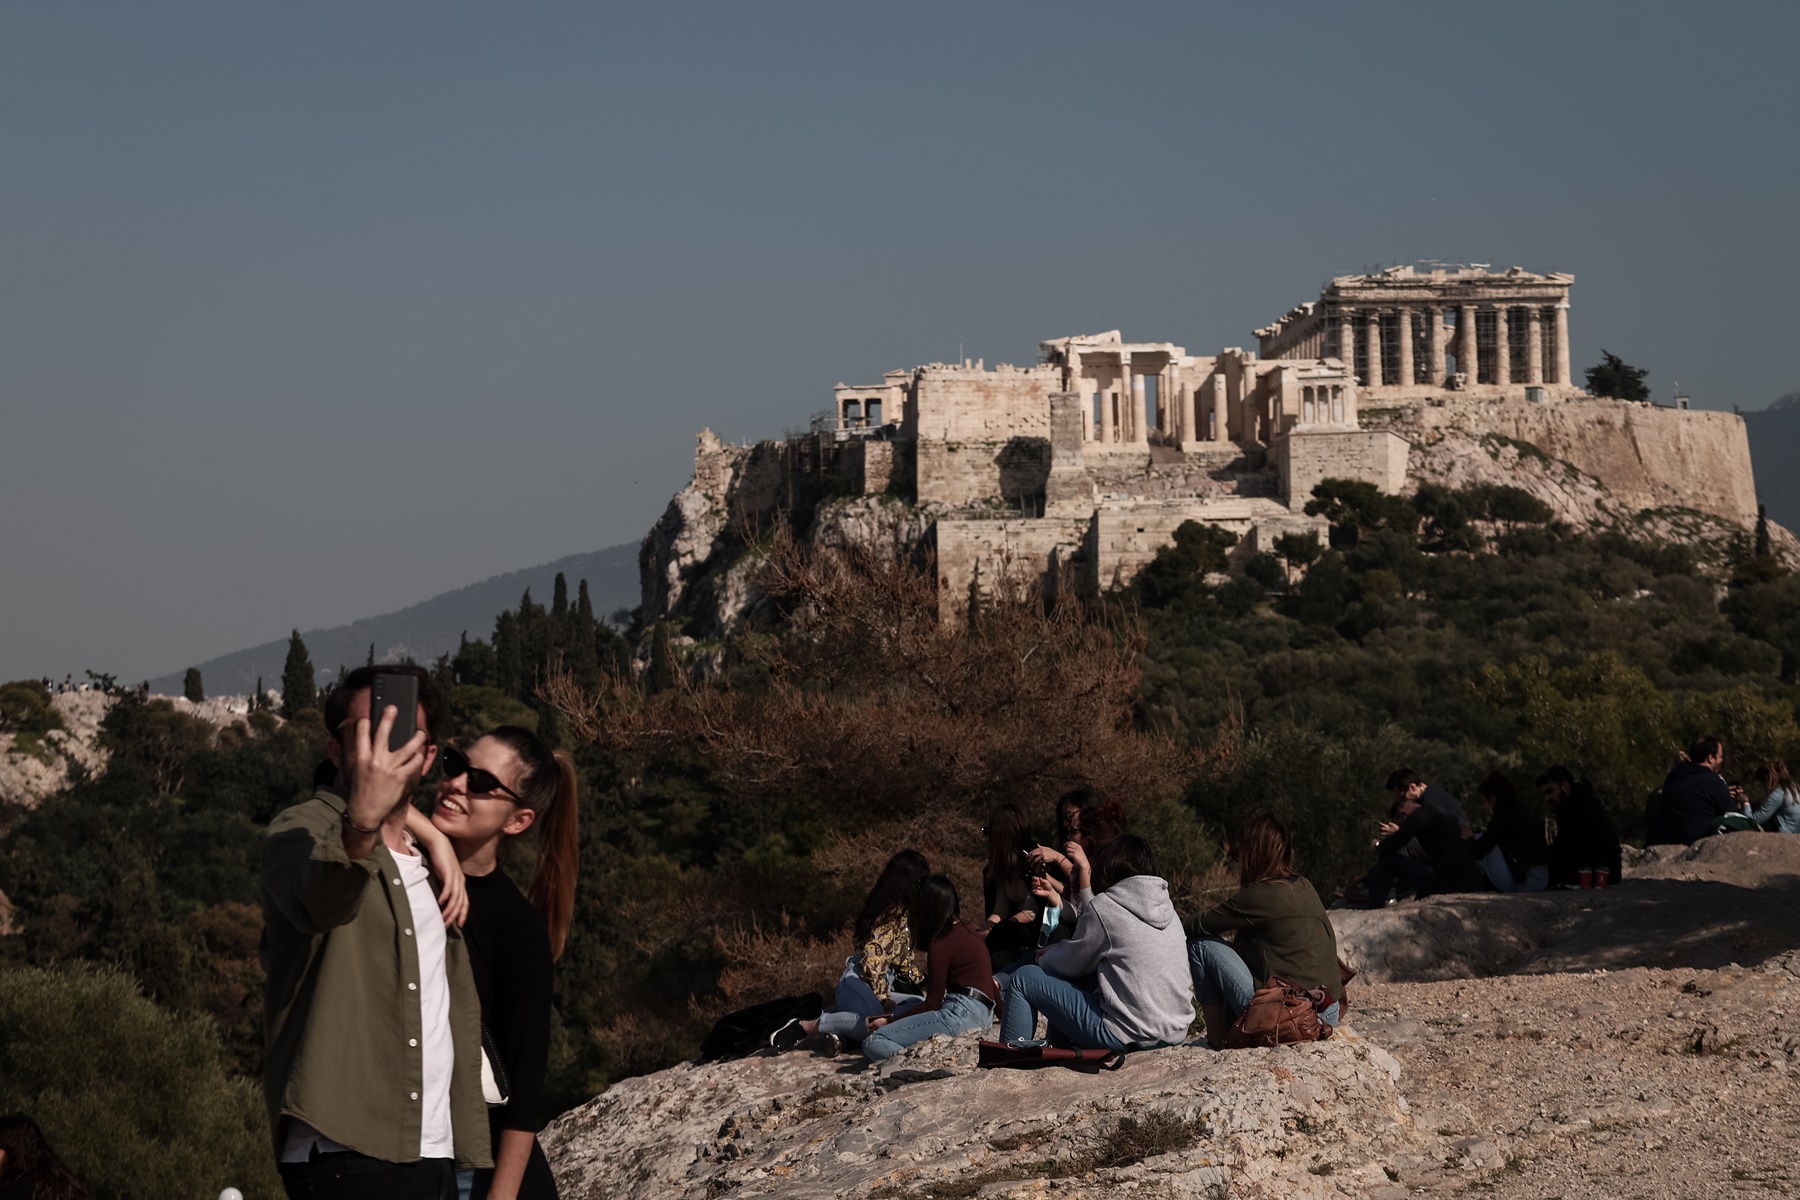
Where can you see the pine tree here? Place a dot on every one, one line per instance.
(190, 686)
(299, 691)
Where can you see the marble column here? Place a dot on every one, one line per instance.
(1140, 424)
(1434, 334)
(1562, 343)
(1375, 378)
(1346, 339)
(1073, 384)
(1221, 430)
(1502, 347)
(1406, 347)
(1534, 345)
(1466, 361)
(1106, 416)
(1127, 419)
(1189, 413)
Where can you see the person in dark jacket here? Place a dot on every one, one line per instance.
(1440, 864)
(1405, 783)
(1695, 796)
(1511, 850)
(1586, 838)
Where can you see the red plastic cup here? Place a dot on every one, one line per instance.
(1586, 877)
(1602, 876)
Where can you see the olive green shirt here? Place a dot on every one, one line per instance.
(1283, 932)
(341, 1015)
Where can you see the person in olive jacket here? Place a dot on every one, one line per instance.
(1281, 929)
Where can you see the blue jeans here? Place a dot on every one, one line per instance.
(856, 1003)
(960, 1014)
(1072, 1013)
(1222, 979)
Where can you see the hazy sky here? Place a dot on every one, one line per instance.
(311, 311)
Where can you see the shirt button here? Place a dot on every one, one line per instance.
(415, 1095)
(412, 987)
(412, 1041)
(409, 933)
(396, 883)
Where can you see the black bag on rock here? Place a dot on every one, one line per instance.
(747, 1030)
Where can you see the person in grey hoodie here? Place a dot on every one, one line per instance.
(1131, 943)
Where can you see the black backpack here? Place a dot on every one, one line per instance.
(747, 1030)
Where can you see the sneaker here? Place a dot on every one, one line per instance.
(788, 1036)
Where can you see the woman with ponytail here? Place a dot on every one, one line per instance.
(509, 782)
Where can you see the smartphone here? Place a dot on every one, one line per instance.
(401, 691)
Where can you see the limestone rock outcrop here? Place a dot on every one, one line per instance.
(1322, 1120)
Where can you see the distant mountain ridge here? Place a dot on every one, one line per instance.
(424, 630)
(1775, 456)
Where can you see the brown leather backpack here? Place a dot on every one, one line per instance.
(1278, 1015)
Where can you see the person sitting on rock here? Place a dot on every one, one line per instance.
(1281, 932)
(1085, 821)
(960, 995)
(1422, 850)
(1014, 911)
(880, 976)
(1695, 796)
(1586, 838)
(1404, 783)
(1780, 810)
(1511, 850)
(1130, 942)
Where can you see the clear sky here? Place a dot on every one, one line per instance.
(308, 312)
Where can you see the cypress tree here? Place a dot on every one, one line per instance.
(559, 598)
(299, 691)
(190, 685)
(371, 659)
(508, 659)
(1763, 549)
(584, 639)
(261, 699)
(661, 675)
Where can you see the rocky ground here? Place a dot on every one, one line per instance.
(1632, 1042)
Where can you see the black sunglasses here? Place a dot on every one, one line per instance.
(481, 782)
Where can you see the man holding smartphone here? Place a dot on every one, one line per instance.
(372, 1023)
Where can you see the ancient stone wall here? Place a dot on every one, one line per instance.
(969, 404)
(1017, 552)
(1305, 458)
(1647, 457)
(1127, 536)
(960, 473)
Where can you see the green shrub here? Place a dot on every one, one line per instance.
(25, 708)
(135, 1098)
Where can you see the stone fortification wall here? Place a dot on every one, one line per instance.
(1012, 472)
(1644, 456)
(970, 404)
(1127, 536)
(1002, 550)
(1305, 459)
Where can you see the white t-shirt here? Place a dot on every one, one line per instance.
(427, 928)
(435, 1139)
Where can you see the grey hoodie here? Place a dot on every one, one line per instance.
(1131, 938)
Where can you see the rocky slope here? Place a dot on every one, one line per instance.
(1642, 1045)
(36, 768)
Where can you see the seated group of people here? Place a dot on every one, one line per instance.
(1086, 937)
(1428, 845)
(1696, 801)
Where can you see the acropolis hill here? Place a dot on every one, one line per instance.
(1074, 471)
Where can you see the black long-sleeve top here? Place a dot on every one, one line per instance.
(509, 951)
(1442, 841)
(1520, 835)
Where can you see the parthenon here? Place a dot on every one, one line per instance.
(1406, 335)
